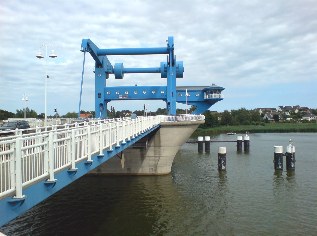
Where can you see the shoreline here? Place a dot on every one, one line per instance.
(267, 128)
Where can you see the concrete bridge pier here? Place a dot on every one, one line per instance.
(152, 155)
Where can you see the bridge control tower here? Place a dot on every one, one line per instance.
(202, 97)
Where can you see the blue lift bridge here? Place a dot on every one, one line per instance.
(38, 163)
(202, 97)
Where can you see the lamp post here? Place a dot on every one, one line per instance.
(40, 56)
(25, 99)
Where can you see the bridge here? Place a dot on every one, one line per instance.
(39, 162)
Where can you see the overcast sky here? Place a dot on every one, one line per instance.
(264, 53)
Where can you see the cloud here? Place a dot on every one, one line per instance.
(246, 46)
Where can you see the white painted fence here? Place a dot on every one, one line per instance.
(27, 158)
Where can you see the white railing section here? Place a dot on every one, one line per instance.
(213, 95)
(183, 117)
(27, 158)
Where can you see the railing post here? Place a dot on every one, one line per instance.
(46, 154)
(128, 127)
(118, 133)
(12, 170)
(123, 132)
(110, 136)
(100, 140)
(51, 156)
(73, 143)
(89, 143)
(132, 128)
(68, 144)
(18, 168)
(138, 126)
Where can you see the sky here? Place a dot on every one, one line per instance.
(264, 53)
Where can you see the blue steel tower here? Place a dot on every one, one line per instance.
(171, 69)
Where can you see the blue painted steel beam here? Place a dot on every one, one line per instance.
(132, 51)
(38, 192)
(100, 83)
(119, 70)
(135, 93)
(142, 70)
(101, 61)
(196, 97)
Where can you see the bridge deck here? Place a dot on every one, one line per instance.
(34, 166)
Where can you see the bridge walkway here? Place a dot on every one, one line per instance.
(35, 165)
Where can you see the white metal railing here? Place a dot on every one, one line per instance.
(27, 158)
(183, 117)
(213, 95)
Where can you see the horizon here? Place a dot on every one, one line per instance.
(86, 111)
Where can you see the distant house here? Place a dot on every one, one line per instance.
(285, 108)
(86, 115)
(309, 117)
(271, 116)
(305, 109)
(266, 110)
(268, 117)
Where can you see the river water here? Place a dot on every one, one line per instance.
(195, 199)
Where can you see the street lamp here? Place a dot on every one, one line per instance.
(25, 99)
(40, 56)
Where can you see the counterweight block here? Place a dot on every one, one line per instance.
(119, 70)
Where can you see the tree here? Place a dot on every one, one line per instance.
(4, 115)
(161, 111)
(211, 119)
(226, 118)
(276, 117)
(255, 116)
(241, 117)
(29, 113)
(41, 116)
(139, 112)
(180, 111)
(71, 115)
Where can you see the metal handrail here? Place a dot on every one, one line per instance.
(27, 158)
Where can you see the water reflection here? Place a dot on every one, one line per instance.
(290, 174)
(248, 198)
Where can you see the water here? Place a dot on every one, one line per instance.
(195, 199)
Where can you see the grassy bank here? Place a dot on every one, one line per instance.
(266, 128)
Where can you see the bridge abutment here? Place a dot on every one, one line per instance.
(152, 155)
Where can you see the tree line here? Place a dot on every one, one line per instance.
(112, 113)
(234, 117)
(241, 116)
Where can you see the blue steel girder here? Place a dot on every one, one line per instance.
(202, 97)
(101, 61)
(135, 93)
(170, 70)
